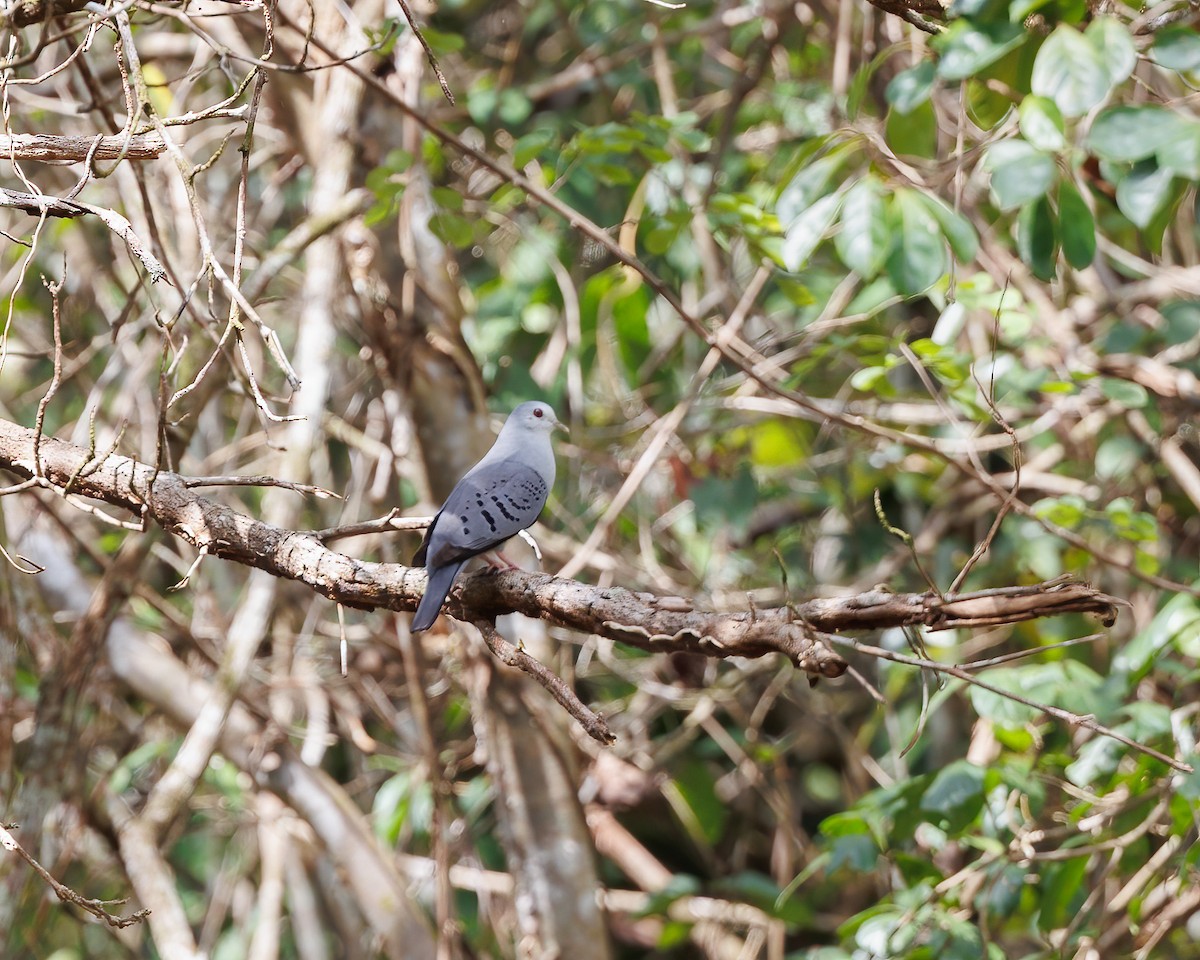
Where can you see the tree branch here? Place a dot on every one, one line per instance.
(654, 623)
(56, 149)
(25, 13)
(38, 204)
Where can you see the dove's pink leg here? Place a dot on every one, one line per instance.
(498, 561)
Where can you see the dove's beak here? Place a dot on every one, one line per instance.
(559, 425)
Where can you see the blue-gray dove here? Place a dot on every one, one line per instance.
(498, 498)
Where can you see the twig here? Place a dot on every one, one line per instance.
(515, 656)
(262, 481)
(392, 521)
(905, 538)
(429, 54)
(1074, 719)
(982, 547)
(1031, 652)
(45, 206)
(66, 894)
(40, 420)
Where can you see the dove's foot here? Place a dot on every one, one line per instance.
(498, 561)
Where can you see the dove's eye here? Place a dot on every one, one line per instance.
(537, 412)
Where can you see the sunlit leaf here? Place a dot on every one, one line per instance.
(1042, 123)
(956, 228)
(863, 240)
(1143, 191)
(910, 88)
(1069, 70)
(967, 48)
(1114, 47)
(1181, 153)
(1125, 134)
(1177, 48)
(1020, 173)
(807, 231)
(918, 259)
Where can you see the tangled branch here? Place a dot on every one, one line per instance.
(655, 623)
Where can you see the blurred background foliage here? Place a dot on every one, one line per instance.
(944, 223)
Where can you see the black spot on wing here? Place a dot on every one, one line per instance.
(485, 509)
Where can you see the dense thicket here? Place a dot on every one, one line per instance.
(839, 300)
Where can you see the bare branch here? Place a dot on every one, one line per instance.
(54, 149)
(516, 656)
(659, 624)
(1087, 722)
(56, 207)
(65, 893)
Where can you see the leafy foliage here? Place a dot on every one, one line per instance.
(949, 251)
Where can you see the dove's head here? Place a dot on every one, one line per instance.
(533, 416)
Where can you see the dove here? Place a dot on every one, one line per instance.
(499, 497)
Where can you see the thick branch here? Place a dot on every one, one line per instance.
(660, 624)
(25, 13)
(56, 149)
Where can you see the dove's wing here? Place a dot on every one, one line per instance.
(494, 502)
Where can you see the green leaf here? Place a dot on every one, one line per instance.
(860, 853)
(863, 240)
(967, 48)
(447, 198)
(918, 260)
(1069, 71)
(910, 88)
(1144, 191)
(452, 229)
(1037, 239)
(1114, 47)
(1189, 784)
(1068, 684)
(914, 135)
(1181, 153)
(1019, 10)
(1177, 48)
(868, 379)
(1020, 173)
(1042, 123)
(809, 183)
(693, 798)
(1177, 624)
(956, 228)
(1131, 396)
(1077, 227)
(529, 147)
(514, 107)
(1127, 134)
(953, 787)
(482, 102)
(1062, 892)
(807, 231)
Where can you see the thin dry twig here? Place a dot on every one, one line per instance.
(429, 54)
(55, 380)
(984, 545)
(959, 673)
(45, 206)
(515, 656)
(65, 893)
(262, 481)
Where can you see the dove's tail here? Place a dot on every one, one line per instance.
(441, 579)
